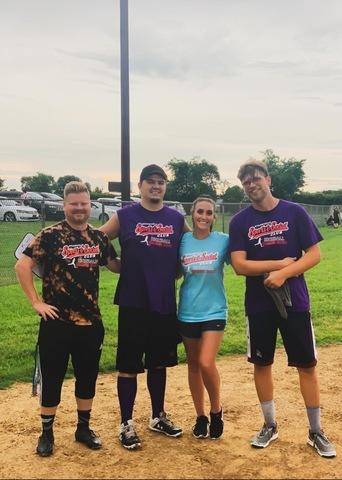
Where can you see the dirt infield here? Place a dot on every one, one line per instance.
(185, 457)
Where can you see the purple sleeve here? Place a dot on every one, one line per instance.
(308, 233)
(237, 240)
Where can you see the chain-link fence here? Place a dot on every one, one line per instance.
(14, 227)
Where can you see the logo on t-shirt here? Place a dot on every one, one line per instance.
(268, 233)
(83, 255)
(155, 234)
(199, 262)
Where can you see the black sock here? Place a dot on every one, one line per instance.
(127, 390)
(156, 382)
(83, 417)
(47, 423)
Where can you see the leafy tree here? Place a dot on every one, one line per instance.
(2, 182)
(288, 176)
(326, 197)
(191, 179)
(62, 181)
(233, 194)
(38, 183)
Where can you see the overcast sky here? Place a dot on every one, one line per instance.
(219, 79)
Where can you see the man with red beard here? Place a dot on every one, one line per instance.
(69, 254)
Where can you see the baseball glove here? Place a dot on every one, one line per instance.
(281, 297)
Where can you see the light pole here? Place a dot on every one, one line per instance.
(124, 75)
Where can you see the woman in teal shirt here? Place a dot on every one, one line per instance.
(202, 312)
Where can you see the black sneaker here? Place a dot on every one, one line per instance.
(164, 425)
(128, 437)
(216, 425)
(200, 429)
(88, 437)
(45, 444)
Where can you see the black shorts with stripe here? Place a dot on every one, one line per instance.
(296, 332)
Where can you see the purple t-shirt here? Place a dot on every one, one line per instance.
(149, 258)
(285, 231)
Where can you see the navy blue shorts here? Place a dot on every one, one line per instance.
(297, 334)
(195, 329)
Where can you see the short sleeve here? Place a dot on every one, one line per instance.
(236, 237)
(308, 233)
(38, 248)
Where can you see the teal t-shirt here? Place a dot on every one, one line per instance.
(202, 295)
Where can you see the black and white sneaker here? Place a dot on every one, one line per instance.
(322, 444)
(164, 425)
(200, 429)
(128, 436)
(216, 425)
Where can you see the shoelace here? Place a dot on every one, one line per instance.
(321, 436)
(265, 429)
(166, 420)
(129, 431)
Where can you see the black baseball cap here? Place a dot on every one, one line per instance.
(150, 170)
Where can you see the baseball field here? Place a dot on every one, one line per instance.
(186, 457)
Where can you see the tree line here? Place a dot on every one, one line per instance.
(191, 178)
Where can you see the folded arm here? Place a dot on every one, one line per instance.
(252, 268)
(311, 257)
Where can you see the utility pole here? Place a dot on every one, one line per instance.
(124, 75)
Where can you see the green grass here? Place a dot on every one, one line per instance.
(11, 234)
(19, 324)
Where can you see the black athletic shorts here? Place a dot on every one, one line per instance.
(59, 340)
(195, 329)
(297, 334)
(146, 340)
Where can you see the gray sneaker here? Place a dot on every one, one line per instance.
(266, 435)
(322, 444)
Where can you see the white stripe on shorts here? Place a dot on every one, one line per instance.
(248, 338)
(313, 339)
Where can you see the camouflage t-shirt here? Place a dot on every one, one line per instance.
(70, 261)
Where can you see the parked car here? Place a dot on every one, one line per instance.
(14, 211)
(51, 196)
(15, 194)
(109, 201)
(53, 210)
(176, 206)
(102, 212)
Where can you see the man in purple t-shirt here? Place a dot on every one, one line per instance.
(273, 242)
(149, 235)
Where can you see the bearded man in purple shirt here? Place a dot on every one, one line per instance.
(273, 242)
(149, 235)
